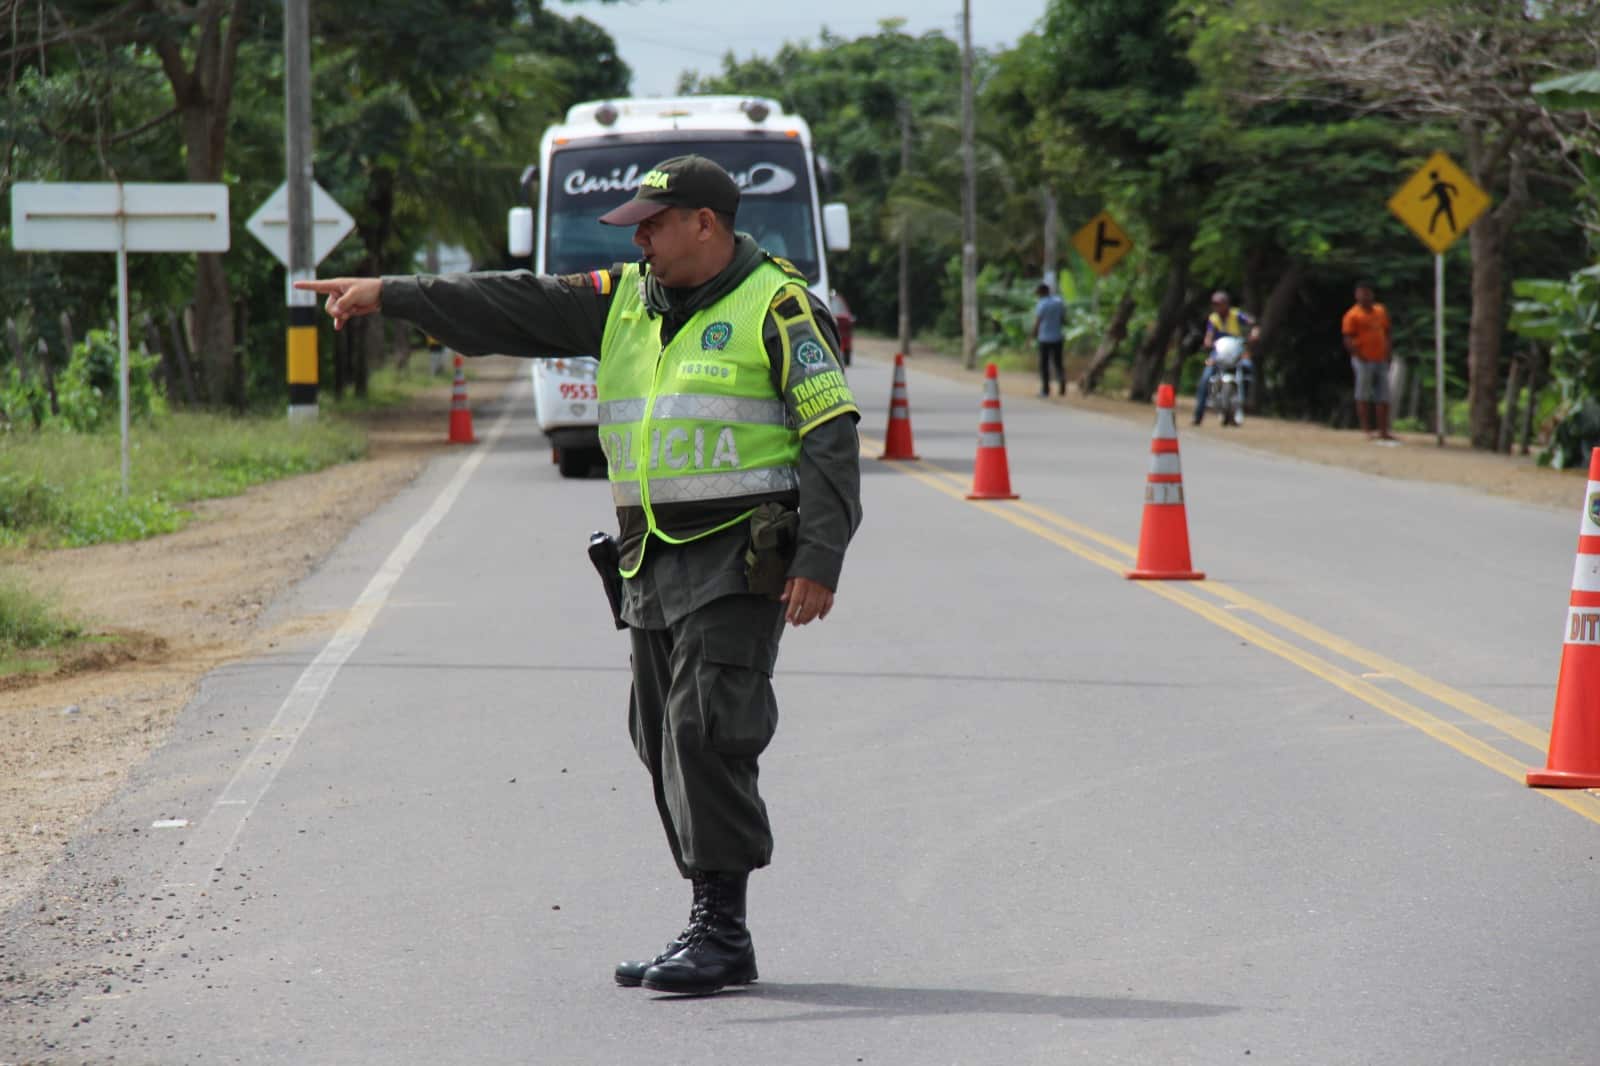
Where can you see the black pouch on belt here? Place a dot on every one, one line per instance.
(774, 530)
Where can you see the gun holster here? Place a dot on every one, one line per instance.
(774, 531)
(607, 560)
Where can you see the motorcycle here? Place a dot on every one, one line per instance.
(1225, 393)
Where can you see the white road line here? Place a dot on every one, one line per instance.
(216, 833)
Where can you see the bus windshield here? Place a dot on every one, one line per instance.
(584, 182)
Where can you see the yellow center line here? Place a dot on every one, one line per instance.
(1469, 705)
(1033, 519)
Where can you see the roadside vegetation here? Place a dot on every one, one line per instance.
(1250, 146)
(29, 623)
(60, 470)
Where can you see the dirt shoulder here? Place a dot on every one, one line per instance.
(1417, 458)
(181, 605)
(186, 603)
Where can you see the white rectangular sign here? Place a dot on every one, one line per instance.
(107, 217)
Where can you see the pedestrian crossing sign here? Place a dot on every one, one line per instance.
(1439, 202)
(1102, 243)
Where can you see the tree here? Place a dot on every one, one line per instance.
(1468, 64)
(856, 94)
(197, 47)
(1111, 84)
(430, 111)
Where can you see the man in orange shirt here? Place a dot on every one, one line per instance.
(1366, 337)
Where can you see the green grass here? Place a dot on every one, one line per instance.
(390, 386)
(63, 489)
(28, 622)
(60, 489)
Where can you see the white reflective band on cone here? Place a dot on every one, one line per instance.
(1166, 424)
(1583, 626)
(1586, 574)
(991, 440)
(1164, 463)
(991, 389)
(899, 414)
(1591, 497)
(1163, 492)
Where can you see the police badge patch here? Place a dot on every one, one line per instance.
(716, 336)
(810, 354)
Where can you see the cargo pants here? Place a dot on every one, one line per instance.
(701, 712)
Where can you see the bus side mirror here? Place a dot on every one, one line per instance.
(836, 227)
(519, 232)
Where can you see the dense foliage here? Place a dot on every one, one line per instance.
(1238, 143)
(425, 113)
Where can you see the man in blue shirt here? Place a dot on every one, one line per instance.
(1048, 314)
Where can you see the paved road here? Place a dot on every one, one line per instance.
(1027, 811)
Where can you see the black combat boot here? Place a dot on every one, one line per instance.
(717, 951)
(629, 974)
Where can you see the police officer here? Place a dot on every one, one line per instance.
(730, 437)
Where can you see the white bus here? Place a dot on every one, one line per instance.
(594, 160)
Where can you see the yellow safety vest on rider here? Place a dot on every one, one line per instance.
(1231, 326)
(695, 434)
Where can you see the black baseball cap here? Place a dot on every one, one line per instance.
(682, 181)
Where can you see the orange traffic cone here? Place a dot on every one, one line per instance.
(897, 439)
(1574, 760)
(1164, 532)
(991, 476)
(460, 413)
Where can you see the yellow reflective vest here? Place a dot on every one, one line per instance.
(1230, 326)
(695, 434)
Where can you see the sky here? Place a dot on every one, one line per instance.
(660, 38)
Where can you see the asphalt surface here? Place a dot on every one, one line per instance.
(1027, 811)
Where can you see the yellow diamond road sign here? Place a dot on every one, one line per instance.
(1102, 243)
(1439, 202)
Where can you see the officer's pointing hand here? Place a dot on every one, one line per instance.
(347, 297)
(807, 600)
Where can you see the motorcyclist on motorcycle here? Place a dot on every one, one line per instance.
(1224, 321)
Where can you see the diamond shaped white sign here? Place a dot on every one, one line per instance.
(329, 223)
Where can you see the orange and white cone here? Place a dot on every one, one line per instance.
(1164, 531)
(460, 413)
(897, 439)
(1574, 760)
(991, 475)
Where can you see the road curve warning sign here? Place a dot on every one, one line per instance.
(1102, 243)
(1439, 202)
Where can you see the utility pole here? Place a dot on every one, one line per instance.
(905, 232)
(1049, 264)
(969, 201)
(302, 266)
